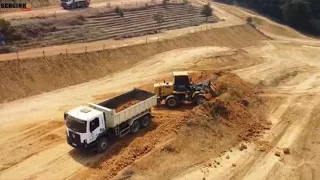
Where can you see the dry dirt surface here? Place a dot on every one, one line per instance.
(127, 105)
(269, 106)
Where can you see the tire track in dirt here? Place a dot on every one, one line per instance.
(283, 135)
(29, 142)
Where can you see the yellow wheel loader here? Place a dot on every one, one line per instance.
(183, 90)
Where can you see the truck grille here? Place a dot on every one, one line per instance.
(74, 138)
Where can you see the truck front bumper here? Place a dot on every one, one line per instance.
(79, 145)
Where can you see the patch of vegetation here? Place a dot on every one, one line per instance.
(206, 11)
(303, 15)
(159, 18)
(165, 2)
(8, 31)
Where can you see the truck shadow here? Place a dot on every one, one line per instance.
(92, 159)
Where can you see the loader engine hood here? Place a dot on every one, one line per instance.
(163, 89)
(163, 84)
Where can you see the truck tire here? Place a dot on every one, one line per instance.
(83, 4)
(145, 121)
(102, 145)
(172, 101)
(73, 5)
(200, 100)
(134, 128)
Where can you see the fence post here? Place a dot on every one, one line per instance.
(146, 40)
(86, 49)
(66, 51)
(43, 53)
(158, 38)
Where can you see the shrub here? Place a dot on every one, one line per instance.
(117, 10)
(121, 13)
(206, 11)
(165, 2)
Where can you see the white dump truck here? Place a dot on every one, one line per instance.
(96, 124)
(72, 4)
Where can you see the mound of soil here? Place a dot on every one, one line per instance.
(127, 105)
(190, 135)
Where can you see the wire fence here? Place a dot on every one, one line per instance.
(92, 47)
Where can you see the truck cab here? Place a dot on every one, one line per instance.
(72, 4)
(83, 126)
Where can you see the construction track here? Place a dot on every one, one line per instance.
(33, 137)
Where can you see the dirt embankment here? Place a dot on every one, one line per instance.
(25, 77)
(192, 134)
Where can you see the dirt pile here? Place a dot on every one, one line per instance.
(127, 105)
(191, 134)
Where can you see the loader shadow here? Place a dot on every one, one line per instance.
(93, 159)
(181, 108)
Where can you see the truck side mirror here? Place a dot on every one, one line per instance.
(65, 116)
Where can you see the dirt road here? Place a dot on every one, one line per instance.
(32, 129)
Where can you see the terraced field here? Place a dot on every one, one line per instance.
(111, 25)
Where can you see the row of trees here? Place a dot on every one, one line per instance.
(300, 14)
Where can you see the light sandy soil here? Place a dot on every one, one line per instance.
(33, 136)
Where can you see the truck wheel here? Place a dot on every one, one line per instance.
(145, 121)
(73, 5)
(172, 101)
(135, 127)
(200, 100)
(102, 145)
(83, 4)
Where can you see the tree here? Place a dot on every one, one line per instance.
(300, 14)
(206, 11)
(296, 13)
(117, 10)
(165, 2)
(121, 13)
(5, 26)
(159, 18)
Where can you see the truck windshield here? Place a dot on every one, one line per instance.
(76, 124)
(64, 0)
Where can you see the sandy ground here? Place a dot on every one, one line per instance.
(33, 142)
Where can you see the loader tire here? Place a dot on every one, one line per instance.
(102, 145)
(172, 101)
(200, 100)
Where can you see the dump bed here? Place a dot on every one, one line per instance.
(126, 106)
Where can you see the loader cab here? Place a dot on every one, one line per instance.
(83, 126)
(181, 81)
